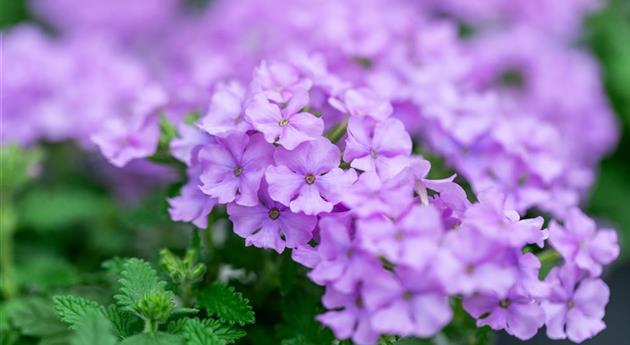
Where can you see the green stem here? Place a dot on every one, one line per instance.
(549, 257)
(186, 294)
(7, 266)
(150, 326)
(338, 131)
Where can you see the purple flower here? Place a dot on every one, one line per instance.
(575, 307)
(308, 178)
(278, 81)
(476, 263)
(191, 205)
(342, 264)
(363, 102)
(383, 147)
(226, 114)
(491, 217)
(517, 313)
(121, 142)
(234, 167)
(372, 194)
(348, 317)
(581, 242)
(289, 126)
(411, 240)
(186, 146)
(408, 303)
(270, 224)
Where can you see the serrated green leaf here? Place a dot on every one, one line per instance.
(114, 265)
(157, 338)
(226, 303)
(176, 326)
(93, 329)
(138, 279)
(197, 333)
(226, 333)
(210, 332)
(73, 309)
(35, 317)
(123, 322)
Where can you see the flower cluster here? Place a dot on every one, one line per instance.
(489, 106)
(305, 161)
(314, 151)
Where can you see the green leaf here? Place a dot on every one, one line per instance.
(299, 309)
(124, 323)
(72, 309)
(93, 329)
(414, 341)
(210, 332)
(18, 166)
(35, 317)
(138, 280)
(228, 305)
(60, 208)
(462, 329)
(45, 271)
(227, 334)
(197, 333)
(157, 338)
(176, 326)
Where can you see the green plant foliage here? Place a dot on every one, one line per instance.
(73, 310)
(139, 285)
(93, 328)
(124, 323)
(61, 207)
(35, 317)
(157, 338)
(227, 304)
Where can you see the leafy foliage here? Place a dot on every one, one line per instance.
(93, 329)
(138, 281)
(73, 310)
(221, 300)
(142, 296)
(157, 338)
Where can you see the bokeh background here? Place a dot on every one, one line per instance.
(68, 220)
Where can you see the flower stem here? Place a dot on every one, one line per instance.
(7, 228)
(338, 131)
(150, 326)
(549, 256)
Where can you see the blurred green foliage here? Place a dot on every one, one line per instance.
(608, 36)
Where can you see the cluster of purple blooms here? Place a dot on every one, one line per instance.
(391, 246)
(314, 151)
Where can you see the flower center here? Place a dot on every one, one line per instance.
(310, 179)
(470, 268)
(274, 213)
(283, 122)
(358, 302)
(399, 236)
(373, 154)
(238, 171)
(570, 304)
(504, 303)
(407, 296)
